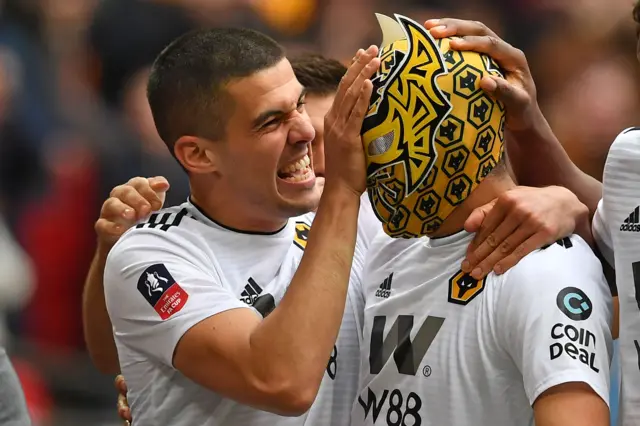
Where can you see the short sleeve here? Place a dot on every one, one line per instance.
(158, 285)
(554, 317)
(602, 234)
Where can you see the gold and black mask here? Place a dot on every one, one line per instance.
(431, 135)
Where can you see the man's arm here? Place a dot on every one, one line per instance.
(559, 339)
(127, 204)
(539, 159)
(570, 404)
(98, 335)
(275, 364)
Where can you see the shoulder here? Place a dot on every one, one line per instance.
(623, 159)
(568, 262)
(171, 232)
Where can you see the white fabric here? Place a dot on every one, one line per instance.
(484, 362)
(616, 228)
(216, 269)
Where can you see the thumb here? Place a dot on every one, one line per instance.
(500, 89)
(159, 184)
(121, 385)
(475, 219)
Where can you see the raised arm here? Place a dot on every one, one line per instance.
(127, 203)
(276, 363)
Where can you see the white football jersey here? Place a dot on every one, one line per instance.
(440, 348)
(616, 228)
(179, 268)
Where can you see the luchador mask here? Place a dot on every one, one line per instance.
(431, 135)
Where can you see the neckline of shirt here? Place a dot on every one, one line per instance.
(458, 237)
(204, 217)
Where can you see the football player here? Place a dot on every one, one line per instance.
(441, 346)
(192, 291)
(539, 159)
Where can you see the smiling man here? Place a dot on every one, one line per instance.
(192, 292)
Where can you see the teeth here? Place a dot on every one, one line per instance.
(298, 177)
(294, 167)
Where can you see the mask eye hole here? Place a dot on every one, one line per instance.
(382, 144)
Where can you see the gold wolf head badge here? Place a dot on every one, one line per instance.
(431, 135)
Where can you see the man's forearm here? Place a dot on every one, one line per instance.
(300, 334)
(98, 333)
(538, 159)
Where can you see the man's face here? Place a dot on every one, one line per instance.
(317, 107)
(266, 154)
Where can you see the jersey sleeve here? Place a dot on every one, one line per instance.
(602, 234)
(158, 285)
(554, 317)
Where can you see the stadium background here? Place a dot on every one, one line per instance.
(74, 123)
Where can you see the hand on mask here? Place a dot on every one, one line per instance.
(517, 90)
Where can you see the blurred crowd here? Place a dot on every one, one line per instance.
(74, 122)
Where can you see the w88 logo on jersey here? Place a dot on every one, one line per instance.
(392, 407)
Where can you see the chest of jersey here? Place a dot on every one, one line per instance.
(425, 351)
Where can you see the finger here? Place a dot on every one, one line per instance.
(495, 214)
(360, 109)
(500, 89)
(109, 230)
(159, 184)
(135, 200)
(355, 91)
(495, 242)
(143, 187)
(124, 412)
(363, 58)
(115, 210)
(449, 27)
(536, 241)
(507, 56)
(472, 225)
(475, 219)
(120, 384)
(505, 249)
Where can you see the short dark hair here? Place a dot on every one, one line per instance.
(186, 84)
(319, 75)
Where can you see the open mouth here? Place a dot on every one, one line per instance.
(297, 171)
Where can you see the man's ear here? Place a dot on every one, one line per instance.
(196, 154)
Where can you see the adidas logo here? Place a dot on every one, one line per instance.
(632, 223)
(251, 292)
(385, 288)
